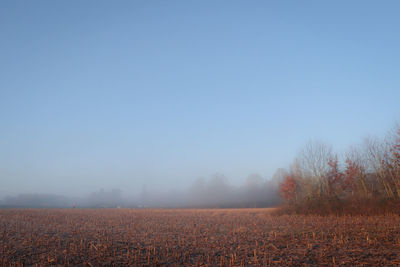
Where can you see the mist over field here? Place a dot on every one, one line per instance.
(215, 192)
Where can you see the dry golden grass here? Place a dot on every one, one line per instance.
(242, 237)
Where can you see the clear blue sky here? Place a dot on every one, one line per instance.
(118, 94)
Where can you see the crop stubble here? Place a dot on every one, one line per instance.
(242, 237)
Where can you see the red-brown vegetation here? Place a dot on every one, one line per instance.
(288, 188)
(366, 183)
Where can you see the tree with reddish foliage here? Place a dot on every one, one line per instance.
(334, 178)
(354, 178)
(350, 175)
(288, 188)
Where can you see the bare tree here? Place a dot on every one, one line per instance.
(356, 182)
(377, 155)
(314, 162)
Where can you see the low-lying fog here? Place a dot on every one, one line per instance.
(214, 192)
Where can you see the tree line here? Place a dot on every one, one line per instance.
(366, 179)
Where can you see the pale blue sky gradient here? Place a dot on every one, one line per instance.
(118, 94)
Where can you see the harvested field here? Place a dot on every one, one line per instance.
(242, 237)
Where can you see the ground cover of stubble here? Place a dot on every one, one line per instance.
(194, 237)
